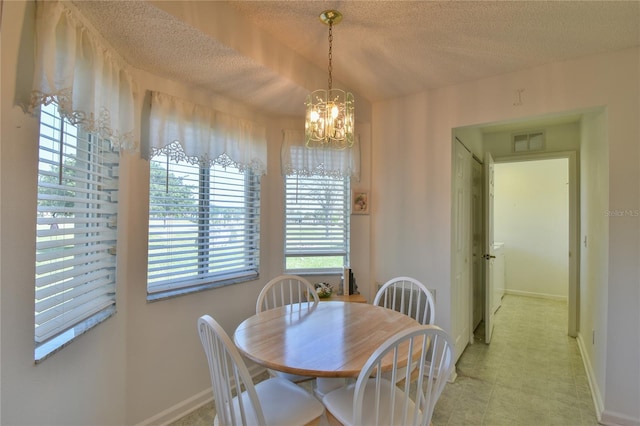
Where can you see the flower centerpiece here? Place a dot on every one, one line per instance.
(324, 290)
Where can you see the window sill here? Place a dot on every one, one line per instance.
(168, 294)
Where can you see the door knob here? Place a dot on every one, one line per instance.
(488, 256)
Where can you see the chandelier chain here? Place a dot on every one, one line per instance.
(330, 50)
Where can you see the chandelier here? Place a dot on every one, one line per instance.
(329, 119)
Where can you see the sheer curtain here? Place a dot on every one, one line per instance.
(84, 76)
(297, 159)
(197, 134)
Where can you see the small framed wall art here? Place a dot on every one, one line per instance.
(360, 202)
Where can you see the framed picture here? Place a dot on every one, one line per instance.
(360, 202)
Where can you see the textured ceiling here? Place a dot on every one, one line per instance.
(270, 54)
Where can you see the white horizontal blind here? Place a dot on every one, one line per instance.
(76, 232)
(203, 226)
(317, 223)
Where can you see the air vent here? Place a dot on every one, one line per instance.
(526, 142)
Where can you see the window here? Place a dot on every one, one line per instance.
(203, 226)
(76, 232)
(317, 224)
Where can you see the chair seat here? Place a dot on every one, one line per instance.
(283, 403)
(339, 403)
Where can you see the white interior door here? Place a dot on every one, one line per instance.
(489, 255)
(477, 244)
(461, 287)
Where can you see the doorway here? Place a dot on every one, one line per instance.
(531, 223)
(537, 224)
(562, 139)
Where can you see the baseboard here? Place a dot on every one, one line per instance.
(604, 417)
(190, 405)
(591, 378)
(179, 410)
(538, 295)
(453, 376)
(609, 418)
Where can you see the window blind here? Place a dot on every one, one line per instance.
(316, 223)
(203, 226)
(76, 232)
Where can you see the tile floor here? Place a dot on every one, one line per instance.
(530, 374)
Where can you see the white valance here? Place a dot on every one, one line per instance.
(77, 70)
(297, 159)
(204, 135)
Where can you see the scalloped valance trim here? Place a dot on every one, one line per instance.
(319, 170)
(175, 152)
(297, 159)
(100, 125)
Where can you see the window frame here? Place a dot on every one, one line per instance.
(249, 229)
(289, 217)
(82, 240)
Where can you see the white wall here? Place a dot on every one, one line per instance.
(412, 183)
(594, 259)
(87, 385)
(558, 138)
(531, 217)
(146, 362)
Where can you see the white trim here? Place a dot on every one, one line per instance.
(537, 295)
(453, 376)
(617, 419)
(189, 405)
(180, 409)
(598, 404)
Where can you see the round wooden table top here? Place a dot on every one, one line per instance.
(332, 339)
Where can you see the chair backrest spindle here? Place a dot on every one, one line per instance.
(286, 290)
(409, 296)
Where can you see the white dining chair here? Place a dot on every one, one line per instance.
(409, 296)
(286, 290)
(275, 401)
(373, 400)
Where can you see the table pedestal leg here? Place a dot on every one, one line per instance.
(327, 384)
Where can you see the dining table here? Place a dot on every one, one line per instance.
(328, 340)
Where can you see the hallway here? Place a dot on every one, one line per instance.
(531, 373)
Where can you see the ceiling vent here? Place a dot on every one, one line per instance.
(526, 142)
